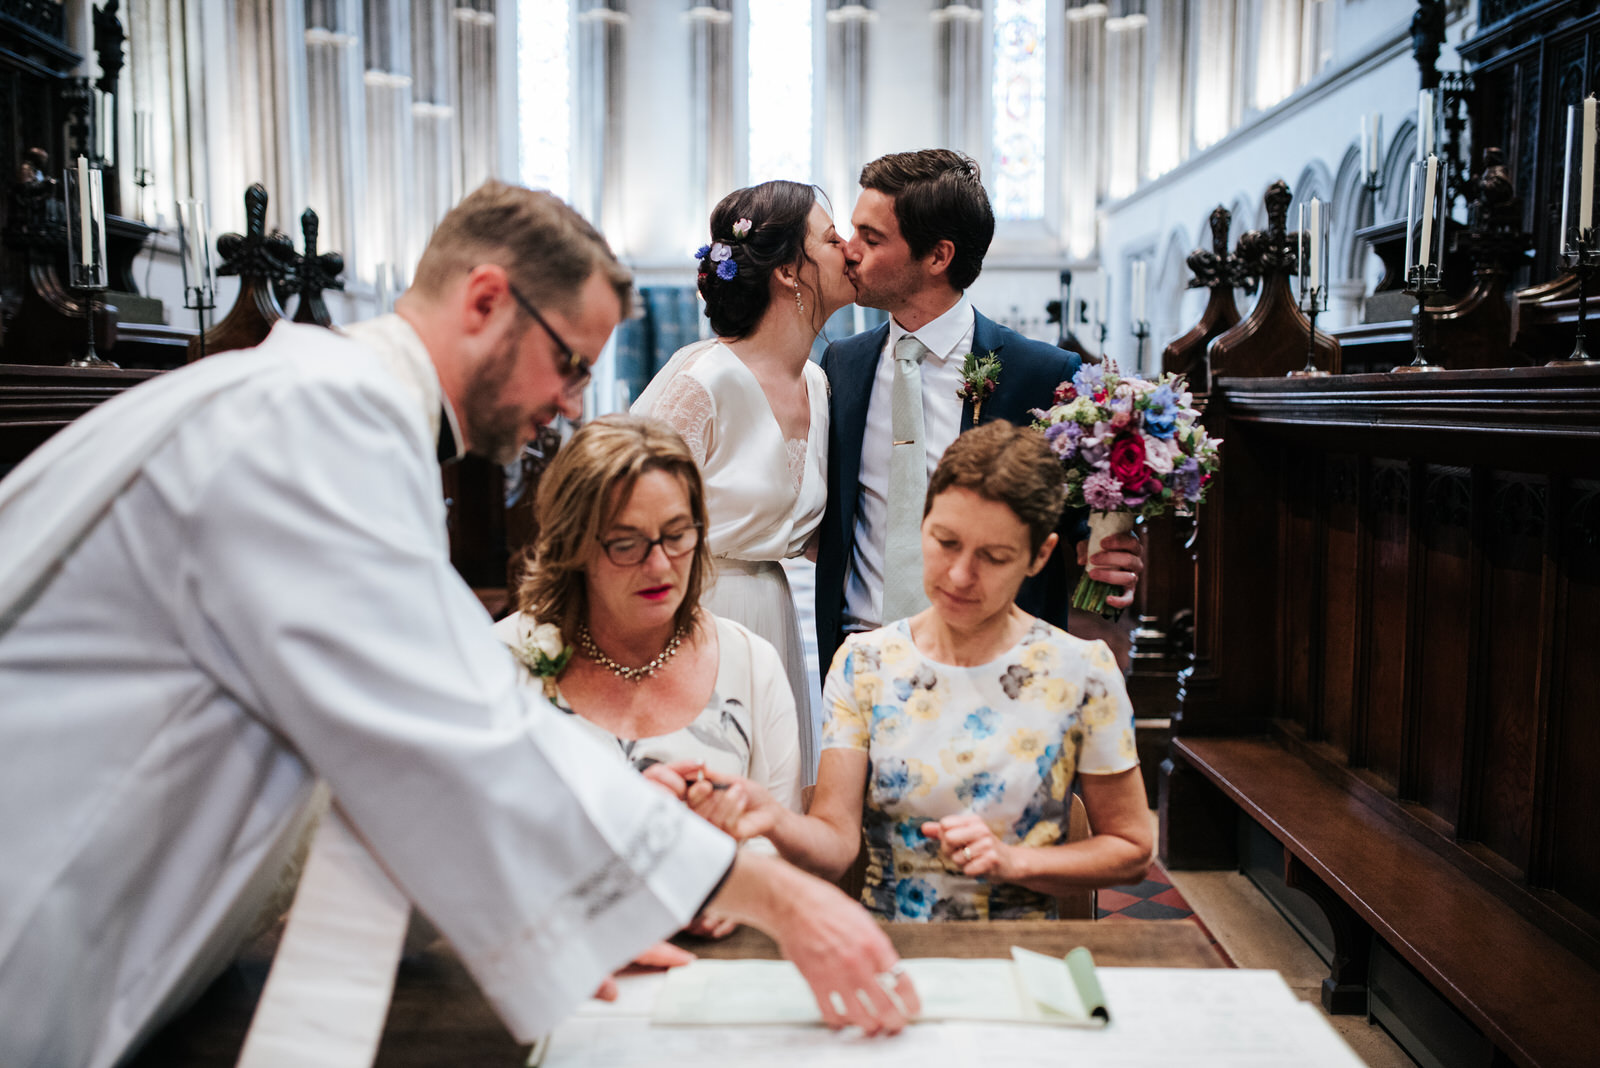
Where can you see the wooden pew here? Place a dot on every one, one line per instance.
(1395, 688)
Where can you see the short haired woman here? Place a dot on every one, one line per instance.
(953, 738)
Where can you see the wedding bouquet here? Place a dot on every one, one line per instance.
(1131, 448)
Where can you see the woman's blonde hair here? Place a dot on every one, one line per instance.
(580, 494)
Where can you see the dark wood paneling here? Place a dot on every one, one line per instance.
(1300, 582)
(1575, 737)
(1446, 604)
(1339, 586)
(1382, 706)
(1510, 724)
(1421, 553)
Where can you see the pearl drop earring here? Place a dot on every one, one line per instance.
(797, 302)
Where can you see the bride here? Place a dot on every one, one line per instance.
(753, 408)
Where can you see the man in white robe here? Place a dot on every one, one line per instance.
(234, 580)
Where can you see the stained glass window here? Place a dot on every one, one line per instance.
(1019, 108)
(544, 88)
(780, 90)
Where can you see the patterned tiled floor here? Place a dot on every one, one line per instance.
(1154, 898)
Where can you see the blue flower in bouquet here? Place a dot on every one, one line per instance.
(1161, 419)
(1102, 492)
(1063, 439)
(914, 898)
(1091, 377)
(1186, 479)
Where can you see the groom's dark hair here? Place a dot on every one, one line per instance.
(938, 196)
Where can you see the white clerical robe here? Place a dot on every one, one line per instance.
(232, 581)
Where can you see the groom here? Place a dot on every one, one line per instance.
(922, 225)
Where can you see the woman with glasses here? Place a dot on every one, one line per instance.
(954, 738)
(753, 408)
(611, 625)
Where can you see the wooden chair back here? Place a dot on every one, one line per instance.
(1077, 904)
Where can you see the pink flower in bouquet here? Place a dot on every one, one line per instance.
(1065, 392)
(1121, 419)
(1160, 454)
(1102, 492)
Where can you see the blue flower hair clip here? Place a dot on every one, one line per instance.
(721, 255)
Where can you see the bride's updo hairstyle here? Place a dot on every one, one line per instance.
(779, 216)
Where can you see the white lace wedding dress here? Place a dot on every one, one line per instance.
(764, 495)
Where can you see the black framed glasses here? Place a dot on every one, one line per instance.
(573, 367)
(631, 550)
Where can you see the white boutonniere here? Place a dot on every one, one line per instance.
(979, 374)
(545, 654)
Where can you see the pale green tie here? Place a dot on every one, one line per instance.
(908, 486)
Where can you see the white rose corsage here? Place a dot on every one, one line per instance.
(545, 654)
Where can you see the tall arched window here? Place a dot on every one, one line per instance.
(1018, 139)
(780, 90)
(544, 87)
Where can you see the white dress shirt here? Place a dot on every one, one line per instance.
(257, 594)
(948, 340)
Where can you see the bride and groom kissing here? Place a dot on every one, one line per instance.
(857, 436)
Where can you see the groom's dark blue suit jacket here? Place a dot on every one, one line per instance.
(1030, 371)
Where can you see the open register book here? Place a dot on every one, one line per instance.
(1028, 988)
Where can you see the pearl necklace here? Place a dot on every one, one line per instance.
(630, 674)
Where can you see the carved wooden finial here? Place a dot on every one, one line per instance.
(1216, 267)
(313, 274)
(256, 253)
(261, 260)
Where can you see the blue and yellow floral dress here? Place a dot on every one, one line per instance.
(1002, 740)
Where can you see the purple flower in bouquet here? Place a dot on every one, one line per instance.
(1064, 438)
(1089, 380)
(1095, 446)
(1102, 492)
(1186, 479)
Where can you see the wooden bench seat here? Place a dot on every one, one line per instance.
(1535, 1000)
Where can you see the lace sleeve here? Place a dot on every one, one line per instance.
(686, 404)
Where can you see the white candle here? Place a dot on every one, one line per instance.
(1586, 169)
(1137, 294)
(141, 144)
(1425, 251)
(192, 218)
(1314, 271)
(1425, 143)
(1374, 145)
(85, 218)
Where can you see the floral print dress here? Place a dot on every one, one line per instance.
(1002, 740)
